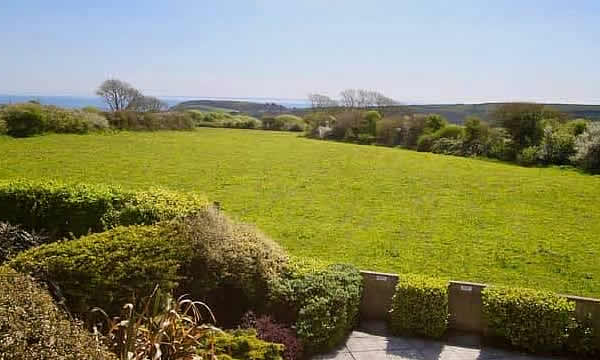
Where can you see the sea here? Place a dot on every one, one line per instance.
(82, 101)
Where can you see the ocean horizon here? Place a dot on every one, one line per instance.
(77, 102)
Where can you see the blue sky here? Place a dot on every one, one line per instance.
(413, 51)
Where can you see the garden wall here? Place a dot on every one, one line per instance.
(464, 302)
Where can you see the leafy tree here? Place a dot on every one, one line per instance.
(434, 122)
(523, 121)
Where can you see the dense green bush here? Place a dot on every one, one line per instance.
(371, 118)
(225, 264)
(24, 120)
(500, 145)
(449, 146)
(558, 146)
(528, 319)
(13, 240)
(529, 156)
(449, 132)
(287, 123)
(242, 122)
(587, 146)
(419, 306)
(63, 209)
(32, 327)
(232, 265)
(108, 269)
(523, 121)
(243, 345)
(322, 302)
(434, 122)
(583, 339)
(576, 127)
(424, 143)
(146, 121)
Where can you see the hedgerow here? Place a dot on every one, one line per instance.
(419, 306)
(32, 327)
(77, 209)
(537, 321)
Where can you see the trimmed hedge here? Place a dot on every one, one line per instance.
(323, 303)
(224, 264)
(419, 306)
(107, 269)
(63, 209)
(32, 327)
(537, 321)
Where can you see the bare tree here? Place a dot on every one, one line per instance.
(147, 104)
(321, 101)
(349, 98)
(117, 94)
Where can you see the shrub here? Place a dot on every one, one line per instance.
(475, 131)
(14, 240)
(232, 266)
(582, 338)
(94, 121)
(290, 123)
(558, 146)
(64, 209)
(587, 146)
(500, 145)
(242, 122)
(270, 331)
(107, 269)
(24, 120)
(323, 303)
(242, 345)
(419, 306)
(424, 143)
(347, 123)
(33, 327)
(449, 146)
(576, 127)
(371, 117)
(225, 264)
(529, 156)
(528, 319)
(449, 132)
(3, 127)
(412, 128)
(388, 131)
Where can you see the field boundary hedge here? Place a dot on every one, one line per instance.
(64, 209)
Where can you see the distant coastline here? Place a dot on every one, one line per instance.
(82, 101)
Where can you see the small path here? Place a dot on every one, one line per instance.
(370, 342)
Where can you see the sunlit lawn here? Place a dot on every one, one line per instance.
(379, 208)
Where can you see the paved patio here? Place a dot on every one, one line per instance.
(371, 342)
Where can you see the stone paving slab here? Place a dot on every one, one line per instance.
(370, 342)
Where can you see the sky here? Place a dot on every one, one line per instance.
(413, 51)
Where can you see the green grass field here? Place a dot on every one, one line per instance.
(379, 208)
